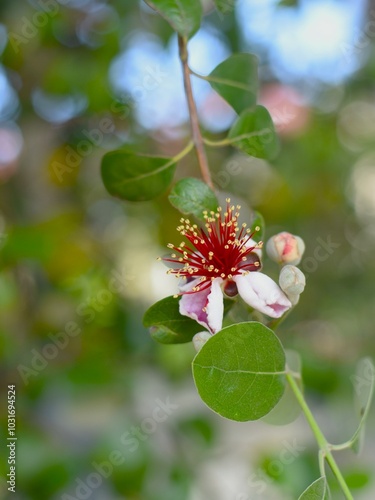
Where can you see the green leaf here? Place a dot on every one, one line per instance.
(192, 196)
(257, 222)
(183, 15)
(363, 382)
(318, 490)
(254, 133)
(239, 372)
(288, 408)
(225, 6)
(288, 3)
(236, 80)
(167, 325)
(135, 177)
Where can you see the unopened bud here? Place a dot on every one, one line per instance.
(294, 299)
(285, 248)
(200, 339)
(292, 282)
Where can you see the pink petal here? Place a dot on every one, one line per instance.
(263, 294)
(211, 299)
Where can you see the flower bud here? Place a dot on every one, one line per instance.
(292, 282)
(285, 248)
(294, 299)
(200, 339)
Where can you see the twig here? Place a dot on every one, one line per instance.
(194, 122)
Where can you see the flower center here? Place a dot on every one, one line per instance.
(223, 249)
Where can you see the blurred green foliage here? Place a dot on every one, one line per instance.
(63, 238)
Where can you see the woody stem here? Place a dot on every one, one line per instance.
(194, 122)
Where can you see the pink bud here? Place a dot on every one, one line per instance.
(285, 248)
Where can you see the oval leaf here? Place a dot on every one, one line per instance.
(192, 196)
(183, 15)
(363, 382)
(239, 371)
(167, 325)
(236, 80)
(134, 177)
(254, 133)
(318, 490)
(288, 408)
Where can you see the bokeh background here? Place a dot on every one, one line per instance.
(79, 77)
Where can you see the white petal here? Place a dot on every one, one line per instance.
(215, 306)
(210, 299)
(200, 339)
(262, 293)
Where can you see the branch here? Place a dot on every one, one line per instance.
(194, 122)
